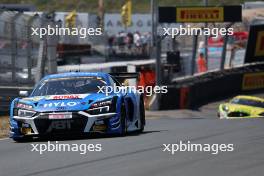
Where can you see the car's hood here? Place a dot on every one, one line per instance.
(72, 102)
(243, 108)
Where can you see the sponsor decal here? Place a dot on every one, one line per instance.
(253, 81)
(24, 106)
(37, 98)
(200, 14)
(61, 108)
(60, 116)
(60, 125)
(255, 52)
(65, 97)
(260, 44)
(60, 104)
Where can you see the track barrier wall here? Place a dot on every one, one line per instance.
(200, 89)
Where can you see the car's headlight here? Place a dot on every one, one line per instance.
(25, 113)
(100, 107)
(225, 108)
(107, 102)
(23, 106)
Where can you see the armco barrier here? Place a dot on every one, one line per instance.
(169, 100)
(194, 91)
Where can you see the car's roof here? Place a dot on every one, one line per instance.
(249, 98)
(75, 74)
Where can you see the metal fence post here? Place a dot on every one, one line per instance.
(195, 41)
(30, 47)
(40, 61)
(14, 45)
(223, 57)
(52, 42)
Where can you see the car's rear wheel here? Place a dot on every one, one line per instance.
(123, 120)
(142, 116)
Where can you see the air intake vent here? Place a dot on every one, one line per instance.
(90, 101)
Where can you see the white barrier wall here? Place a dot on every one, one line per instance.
(140, 23)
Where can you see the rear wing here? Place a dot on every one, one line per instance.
(123, 76)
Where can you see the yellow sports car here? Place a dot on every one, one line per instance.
(242, 107)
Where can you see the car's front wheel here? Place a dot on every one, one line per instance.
(22, 139)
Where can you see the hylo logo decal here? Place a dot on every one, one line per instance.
(60, 104)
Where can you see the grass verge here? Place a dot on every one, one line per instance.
(4, 126)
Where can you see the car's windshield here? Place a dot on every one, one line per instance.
(248, 102)
(73, 85)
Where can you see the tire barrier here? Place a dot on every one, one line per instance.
(200, 89)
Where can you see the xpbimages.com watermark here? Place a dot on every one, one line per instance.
(188, 30)
(64, 31)
(192, 147)
(62, 147)
(146, 90)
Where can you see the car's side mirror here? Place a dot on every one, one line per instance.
(23, 93)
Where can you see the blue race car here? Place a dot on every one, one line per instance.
(77, 103)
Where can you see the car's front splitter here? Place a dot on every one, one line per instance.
(81, 122)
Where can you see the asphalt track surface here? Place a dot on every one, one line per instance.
(142, 154)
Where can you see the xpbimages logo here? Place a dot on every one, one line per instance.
(62, 31)
(192, 147)
(60, 147)
(147, 90)
(188, 30)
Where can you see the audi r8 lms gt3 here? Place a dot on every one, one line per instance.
(74, 103)
(242, 107)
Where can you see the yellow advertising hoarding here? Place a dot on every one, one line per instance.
(253, 81)
(200, 14)
(260, 44)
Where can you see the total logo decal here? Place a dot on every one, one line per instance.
(57, 97)
(60, 104)
(65, 97)
(61, 97)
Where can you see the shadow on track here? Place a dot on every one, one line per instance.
(83, 137)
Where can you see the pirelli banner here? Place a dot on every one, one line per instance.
(255, 46)
(200, 14)
(253, 81)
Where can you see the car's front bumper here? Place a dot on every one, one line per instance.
(80, 122)
(224, 115)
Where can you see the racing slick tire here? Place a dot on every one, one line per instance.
(142, 116)
(22, 139)
(123, 121)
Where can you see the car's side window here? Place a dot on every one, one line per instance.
(114, 82)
